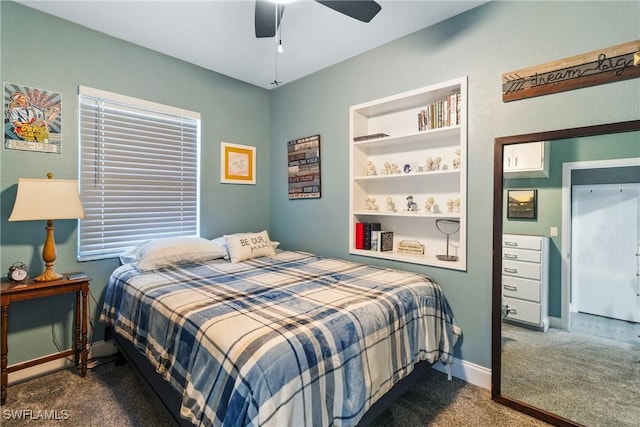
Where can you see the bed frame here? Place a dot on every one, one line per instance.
(171, 400)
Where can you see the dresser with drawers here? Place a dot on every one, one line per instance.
(525, 280)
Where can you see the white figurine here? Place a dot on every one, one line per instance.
(456, 205)
(436, 163)
(428, 206)
(374, 205)
(456, 161)
(371, 168)
(387, 168)
(429, 165)
(370, 204)
(450, 205)
(390, 168)
(391, 207)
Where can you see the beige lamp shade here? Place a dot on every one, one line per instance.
(47, 199)
(39, 199)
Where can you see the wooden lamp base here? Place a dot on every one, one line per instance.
(49, 257)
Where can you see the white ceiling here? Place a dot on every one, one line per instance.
(219, 35)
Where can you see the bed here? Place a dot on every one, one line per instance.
(286, 338)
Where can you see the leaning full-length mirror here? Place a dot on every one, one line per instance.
(566, 274)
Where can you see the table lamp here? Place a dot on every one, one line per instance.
(47, 199)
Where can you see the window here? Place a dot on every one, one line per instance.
(139, 173)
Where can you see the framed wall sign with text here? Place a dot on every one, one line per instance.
(237, 164)
(606, 65)
(303, 160)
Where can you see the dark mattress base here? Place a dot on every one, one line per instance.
(171, 400)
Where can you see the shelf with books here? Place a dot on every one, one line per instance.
(405, 177)
(418, 230)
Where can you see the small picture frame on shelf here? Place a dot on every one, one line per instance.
(522, 204)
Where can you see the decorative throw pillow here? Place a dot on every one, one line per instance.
(167, 252)
(249, 245)
(222, 242)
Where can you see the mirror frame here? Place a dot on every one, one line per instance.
(496, 318)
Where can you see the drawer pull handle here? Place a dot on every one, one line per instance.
(510, 270)
(511, 243)
(511, 256)
(510, 287)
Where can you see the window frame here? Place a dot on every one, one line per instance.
(134, 109)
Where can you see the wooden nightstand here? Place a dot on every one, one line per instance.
(30, 289)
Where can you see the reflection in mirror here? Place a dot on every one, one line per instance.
(566, 285)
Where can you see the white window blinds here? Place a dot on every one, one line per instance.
(139, 173)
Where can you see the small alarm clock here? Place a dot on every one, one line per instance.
(18, 272)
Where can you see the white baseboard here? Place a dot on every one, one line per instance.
(466, 371)
(555, 322)
(98, 349)
(469, 372)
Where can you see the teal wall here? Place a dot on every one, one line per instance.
(42, 51)
(481, 44)
(602, 147)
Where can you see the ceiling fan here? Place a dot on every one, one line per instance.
(266, 11)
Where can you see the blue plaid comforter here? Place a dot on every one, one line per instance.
(290, 340)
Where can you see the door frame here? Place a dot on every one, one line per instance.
(567, 168)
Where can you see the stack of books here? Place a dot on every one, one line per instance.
(440, 114)
(370, 236)
(382, 241)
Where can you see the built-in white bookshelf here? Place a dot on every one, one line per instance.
(411, 130)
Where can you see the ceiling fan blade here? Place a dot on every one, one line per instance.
(265, 18)
(361, 10)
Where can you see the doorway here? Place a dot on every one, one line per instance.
(569, 303)
(604, 248)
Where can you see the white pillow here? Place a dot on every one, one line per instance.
(171, 251)
(222, 242)
(132, 254)
(249, 245)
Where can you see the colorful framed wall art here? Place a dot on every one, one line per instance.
(32, 119)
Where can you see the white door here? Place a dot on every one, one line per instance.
(605, 241)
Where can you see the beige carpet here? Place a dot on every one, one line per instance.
(592, 380)
(115, 396)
